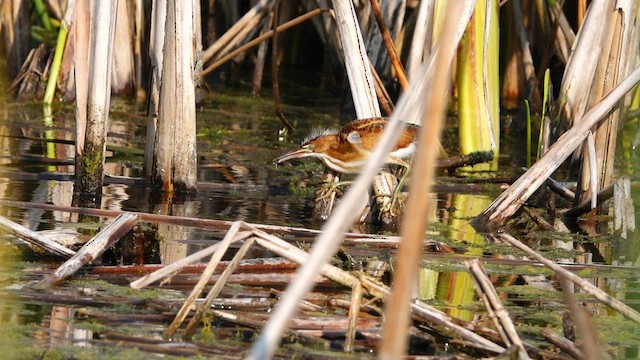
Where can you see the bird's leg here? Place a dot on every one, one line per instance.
(396, 197)
(329, 188)
(325, 197)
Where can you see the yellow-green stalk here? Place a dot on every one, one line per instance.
(478, 92)
(55, 65)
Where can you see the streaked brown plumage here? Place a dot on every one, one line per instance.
(347, 150)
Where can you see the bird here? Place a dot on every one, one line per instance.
(346, 150)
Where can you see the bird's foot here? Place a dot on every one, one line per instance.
(329, 189)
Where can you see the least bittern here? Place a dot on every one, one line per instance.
(347, 150)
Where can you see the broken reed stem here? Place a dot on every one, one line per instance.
(35, 238)
(495, 309)
(588, 287)
(92, 249)
(563, 343)
(354, 310)
(204, 279)
(593, 170)
(175, 267)
(585, 206)
(217, 288)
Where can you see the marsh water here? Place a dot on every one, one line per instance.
(238, 138)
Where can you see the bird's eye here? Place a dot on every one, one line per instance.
(308, 147)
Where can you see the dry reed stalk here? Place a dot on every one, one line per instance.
(356, 61)
(92, 249)
(386, 104)
(613, 65)
(586, 205)
(90, 151)
(388, 44)
(397, 308)
(586, 286)
(624, 214)
(175, 159)
(156, 46)
(351, 238)
(260, 39)
(304, 304)
(81, 34)
(559, 189)
(217, 288)
(138, 38)
(204, 279)
(171, 269)
(261, 56)
(495, 309)
(563, 343)
(578, 76)
(592, 170)
(35, 238)
(123, 70)
(301, 336)
(257, 11)
(565, 37)
(422, 37)
(275, 64)
(510, 201)
(354, 310)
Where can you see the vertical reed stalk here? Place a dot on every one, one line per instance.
(478, 90)
(175, 162)
(123, 72)
(67, 22)
(618, 42)
(422, 36)
(394, 335)
(90, 170)
(156, 45)
(81, 59)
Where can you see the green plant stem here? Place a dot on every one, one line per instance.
(55, 65)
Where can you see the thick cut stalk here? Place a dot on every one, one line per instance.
(156, 45)
(478, 90)
(91, 155)
(175, 164)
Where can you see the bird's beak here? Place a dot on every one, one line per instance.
(297, 154)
